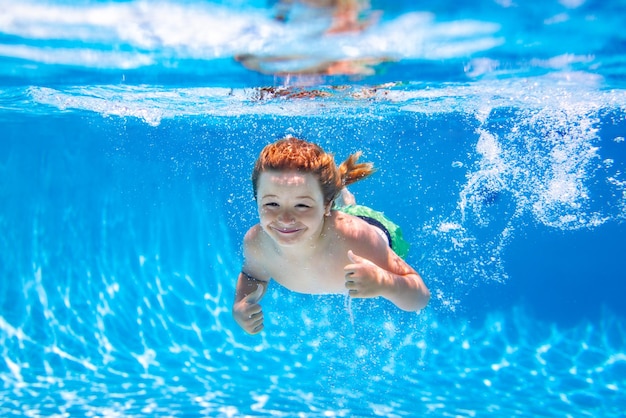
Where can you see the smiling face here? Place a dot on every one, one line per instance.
(291, 206)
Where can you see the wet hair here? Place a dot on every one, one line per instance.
(291, 153)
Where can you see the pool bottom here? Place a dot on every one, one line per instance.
(320, 363)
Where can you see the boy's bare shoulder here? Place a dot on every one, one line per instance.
(359, 236)
(254, 254)
(350, 227)
(253, 239)
(253, 233)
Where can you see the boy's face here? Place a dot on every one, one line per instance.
(291, 206)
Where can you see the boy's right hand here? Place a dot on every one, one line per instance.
(247, 312)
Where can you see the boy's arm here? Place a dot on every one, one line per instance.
(396, 281)
(246, 309)
(251, 286)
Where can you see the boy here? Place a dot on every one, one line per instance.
(308, 246)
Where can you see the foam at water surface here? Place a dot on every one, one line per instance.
(576, 92)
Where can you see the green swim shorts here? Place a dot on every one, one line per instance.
(393, 232)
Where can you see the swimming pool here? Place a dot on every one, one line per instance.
(128, 133)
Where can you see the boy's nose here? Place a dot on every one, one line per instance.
(286, 217)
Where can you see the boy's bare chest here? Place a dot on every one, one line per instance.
(323, 275)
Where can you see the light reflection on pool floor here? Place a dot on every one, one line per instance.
(314, 363)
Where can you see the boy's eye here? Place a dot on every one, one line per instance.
(271, 204)
(302, 205)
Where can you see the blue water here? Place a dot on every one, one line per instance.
(127, 136)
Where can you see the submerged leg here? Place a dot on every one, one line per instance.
(346, 198)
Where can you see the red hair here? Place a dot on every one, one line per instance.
(297, 154)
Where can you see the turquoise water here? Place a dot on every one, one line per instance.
(127, 136)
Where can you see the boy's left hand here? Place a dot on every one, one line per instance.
(364, 279)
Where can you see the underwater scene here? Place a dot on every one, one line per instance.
(128, 134)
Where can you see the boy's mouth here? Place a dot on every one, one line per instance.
(286, 230)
